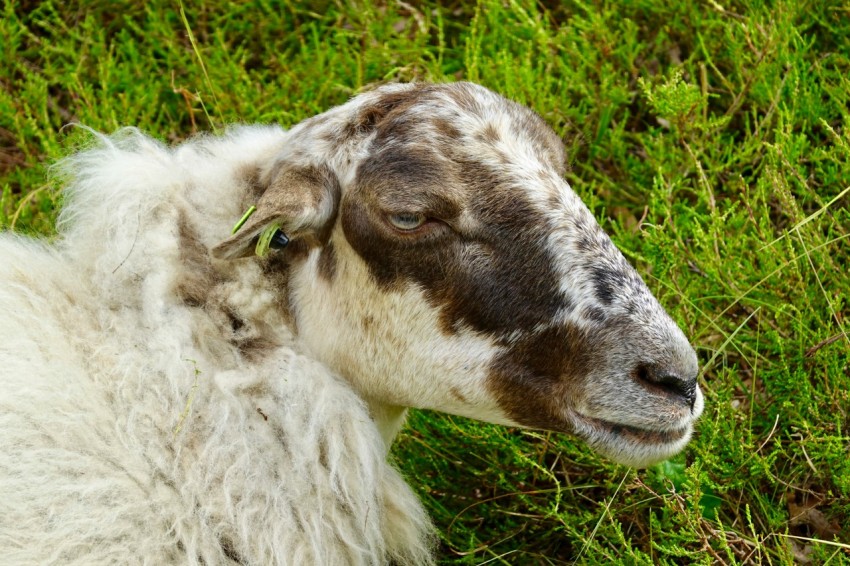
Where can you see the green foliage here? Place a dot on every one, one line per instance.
(711, 140)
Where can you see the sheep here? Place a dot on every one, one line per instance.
(178, 385)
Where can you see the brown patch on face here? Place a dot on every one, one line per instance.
(408, 180)
(532, 378)
(497, 280)
(494, 274)
(361, 125)
(607, 283)
(197, 277)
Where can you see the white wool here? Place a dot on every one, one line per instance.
(132, 432)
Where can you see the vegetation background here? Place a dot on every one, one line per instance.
(711, 139)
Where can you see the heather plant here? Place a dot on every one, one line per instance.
(713, 143)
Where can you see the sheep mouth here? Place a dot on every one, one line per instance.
(636, 434)
(629, 444)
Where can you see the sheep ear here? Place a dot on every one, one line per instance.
(302, 201)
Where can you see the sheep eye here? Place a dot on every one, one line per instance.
(407, 221)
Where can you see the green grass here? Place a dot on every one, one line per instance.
(711, 139)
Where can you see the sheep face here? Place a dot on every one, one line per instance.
(449, 266)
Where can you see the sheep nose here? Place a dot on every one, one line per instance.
(657, 378)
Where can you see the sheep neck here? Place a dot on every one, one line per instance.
(388, 418)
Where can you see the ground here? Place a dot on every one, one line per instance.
(711, 140)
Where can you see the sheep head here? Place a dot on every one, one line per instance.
(440, 260)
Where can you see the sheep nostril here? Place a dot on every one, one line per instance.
(670, 383)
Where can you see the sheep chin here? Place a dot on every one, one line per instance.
(630, 445)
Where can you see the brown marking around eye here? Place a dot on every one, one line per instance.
(496, 276)
(548, 146)
(409, 180)
(495, 281)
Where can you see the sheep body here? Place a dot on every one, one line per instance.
(131, 430)
(181, 400)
